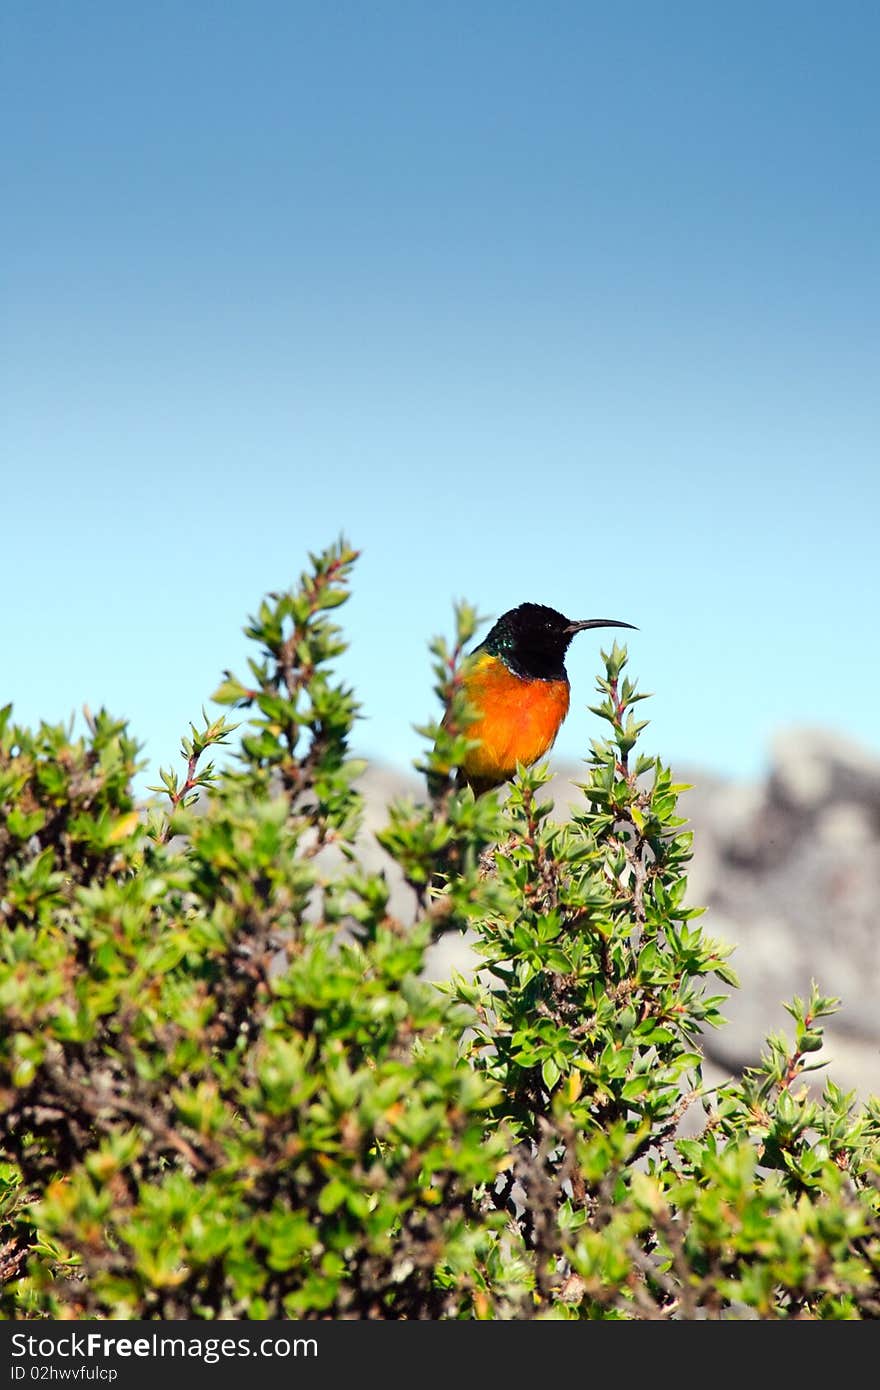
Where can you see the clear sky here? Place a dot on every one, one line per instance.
(559, 301)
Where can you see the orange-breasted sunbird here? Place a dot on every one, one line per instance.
(516, 686)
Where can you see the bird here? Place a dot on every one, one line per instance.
(517, 688)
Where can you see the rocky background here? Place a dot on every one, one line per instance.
(789, 870)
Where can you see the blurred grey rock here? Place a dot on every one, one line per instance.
(790, 873)
(812, 768)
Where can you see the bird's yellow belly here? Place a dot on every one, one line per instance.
(517, 719)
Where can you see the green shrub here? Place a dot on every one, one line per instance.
(228, 1090)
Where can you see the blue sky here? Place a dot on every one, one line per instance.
(568, 302)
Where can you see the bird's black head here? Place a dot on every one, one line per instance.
(532, 639)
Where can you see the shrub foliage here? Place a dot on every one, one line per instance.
(227, 1088)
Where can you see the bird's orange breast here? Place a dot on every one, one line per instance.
(517, 718)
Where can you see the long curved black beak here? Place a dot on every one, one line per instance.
(597, 622)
